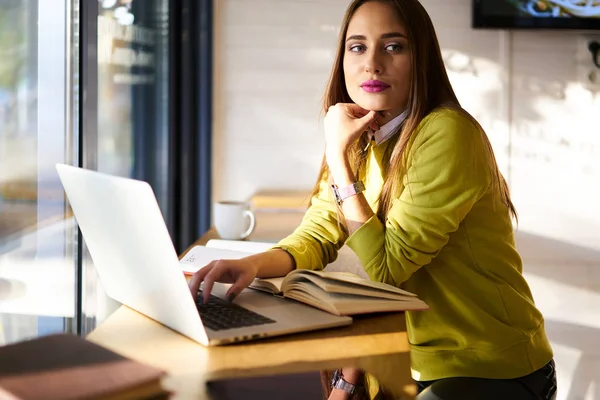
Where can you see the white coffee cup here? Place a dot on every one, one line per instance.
(234, 220)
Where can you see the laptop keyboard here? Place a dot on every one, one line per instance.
(219, 314)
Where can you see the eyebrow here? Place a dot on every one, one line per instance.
(384, 36)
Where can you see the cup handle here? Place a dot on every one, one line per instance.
(252, 218)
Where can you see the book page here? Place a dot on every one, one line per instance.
(337, 286)
(307, 293)
(352, 305)
(271, 285)
(199, 256)
(349, 278)
(348, 304)
(240, 245)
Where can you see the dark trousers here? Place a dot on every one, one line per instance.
(539, 385)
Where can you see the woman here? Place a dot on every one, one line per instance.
(409, 182)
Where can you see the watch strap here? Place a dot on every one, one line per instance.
(342, 193)
(338, 382)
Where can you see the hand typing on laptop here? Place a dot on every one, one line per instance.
(242, 272)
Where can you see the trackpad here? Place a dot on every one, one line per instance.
(276, 387)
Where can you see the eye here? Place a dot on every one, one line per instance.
(394, 47)
(356, 48)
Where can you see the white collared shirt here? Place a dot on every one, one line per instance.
(387, 130)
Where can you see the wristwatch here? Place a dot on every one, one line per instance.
(343, 193)
(338, 382)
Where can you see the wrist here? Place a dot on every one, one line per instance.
(340, 194)
(337, 394)
(352, 375)
(272, 263)
(343, 178)
(341, 385)
(254, 263)
(336, 156)
(341, 172)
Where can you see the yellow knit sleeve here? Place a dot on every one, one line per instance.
(449, 170)
(315, 243)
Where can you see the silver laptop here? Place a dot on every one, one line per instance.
(130, 245)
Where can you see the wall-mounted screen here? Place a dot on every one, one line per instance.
(537, 14)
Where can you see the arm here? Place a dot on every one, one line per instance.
(344, 123)
(356, 209)
(315, 243)
(272, 263)
(449, 172)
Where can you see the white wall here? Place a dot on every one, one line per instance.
(272, 61)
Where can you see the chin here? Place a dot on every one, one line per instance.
(372, 104)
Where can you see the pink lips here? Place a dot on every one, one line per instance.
(374, 86)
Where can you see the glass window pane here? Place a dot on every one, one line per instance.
(37, 236)
(133, 108)
(133, 91)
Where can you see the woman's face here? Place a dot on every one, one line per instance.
(377, 59)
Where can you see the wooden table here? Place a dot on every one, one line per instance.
(377, 344)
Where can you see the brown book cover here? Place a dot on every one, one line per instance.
(65, 366)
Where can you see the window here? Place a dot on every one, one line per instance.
(37, 235)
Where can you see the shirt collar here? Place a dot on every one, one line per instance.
(389, 129)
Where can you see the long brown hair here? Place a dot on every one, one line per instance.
(430, 88)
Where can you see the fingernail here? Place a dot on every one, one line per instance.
(231, 297)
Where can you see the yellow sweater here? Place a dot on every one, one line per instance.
(449, 239)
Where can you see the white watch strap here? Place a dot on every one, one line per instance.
(343, 193)
(351, 190)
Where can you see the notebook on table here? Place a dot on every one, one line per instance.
(65, 366)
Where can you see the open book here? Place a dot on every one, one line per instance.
(339, 293)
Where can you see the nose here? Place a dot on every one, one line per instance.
(373, 64)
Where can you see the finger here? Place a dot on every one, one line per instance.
(198, 277)
(356, 110)
(209, 281)
(370, 116)
(369, 121)
(194, 284)
(374, 125)
(243, 281)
